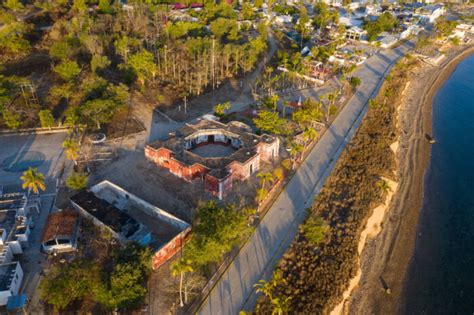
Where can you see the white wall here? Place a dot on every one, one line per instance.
(16, 283)
(150, 209)
(219, 138)
(14, 286)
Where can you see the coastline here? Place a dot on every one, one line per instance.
(386, 257)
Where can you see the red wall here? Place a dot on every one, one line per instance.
(157, 154)
(211, 184)
(164, 158)
(170, 249)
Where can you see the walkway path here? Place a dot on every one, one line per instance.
(256, 260)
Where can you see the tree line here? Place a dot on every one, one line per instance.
(100, 51)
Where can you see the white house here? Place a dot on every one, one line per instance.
(461, 31)
(356, 33)
(430, 13)
(387, 40)
(11, 275)
(282, 19)
(14, 230)
(410, 30)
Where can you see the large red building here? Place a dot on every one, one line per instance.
(214, 152)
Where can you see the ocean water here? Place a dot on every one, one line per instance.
(440, 279)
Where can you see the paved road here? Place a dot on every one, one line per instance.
(257, 259)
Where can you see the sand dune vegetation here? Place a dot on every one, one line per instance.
(317, 274)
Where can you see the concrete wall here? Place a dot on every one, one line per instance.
(14, 286)
(6, 254)
(242, 171)
(16, 247)
(16, 282)
(145, 206)
(97, 222)
(164, 158)
(269, 151)
(218, 188)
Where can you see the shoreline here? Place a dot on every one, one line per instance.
(386, 257)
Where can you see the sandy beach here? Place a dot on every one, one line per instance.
(389, 237)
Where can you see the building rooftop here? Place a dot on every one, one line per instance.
(11, 225)
(61, 223)
(247, 149)
(7, 272)
(118, 221)
(432, 7)
(12, 201)
(128, 215)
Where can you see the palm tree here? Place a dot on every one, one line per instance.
(264, 178)
(309, 134)
(33, 180)
(73, 120)
(77, 181)
(264, 287)
(331, 97)
(274, 100)
(295, 150)
(280, 305)
(72, 149)
(384, 186)
(180, 268)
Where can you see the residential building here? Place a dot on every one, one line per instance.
(60, 232)
(11, 275)
(356, 33)
(14, 230)
(430, 13)
(387, 40)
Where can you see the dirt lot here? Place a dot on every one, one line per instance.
(159, 187)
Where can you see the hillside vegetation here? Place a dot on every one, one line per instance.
(83, 59)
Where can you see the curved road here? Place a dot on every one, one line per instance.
(257, 258)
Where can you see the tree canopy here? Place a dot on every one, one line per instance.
(215, 232)
(386, 22)
(122, 286)
(270, 122)
(46, 118)
(445, 27)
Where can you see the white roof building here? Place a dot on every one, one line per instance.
(387, 40)
(11, 275)
(430, 13)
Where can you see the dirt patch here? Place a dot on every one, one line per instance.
(123, 124)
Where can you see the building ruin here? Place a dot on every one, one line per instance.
(215, 153)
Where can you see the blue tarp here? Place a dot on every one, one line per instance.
(16, 302)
